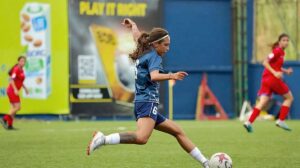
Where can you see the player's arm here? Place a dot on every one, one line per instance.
(12, 83)
(156, 76)
(128, 23)
(287, 71)
(267, 65)
(12, 80)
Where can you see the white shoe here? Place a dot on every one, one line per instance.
(97, 141)
(283, 125)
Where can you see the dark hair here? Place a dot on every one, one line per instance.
(146, 40)
(274, 45)
(11, 69)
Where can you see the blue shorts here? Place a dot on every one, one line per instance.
(148, 109)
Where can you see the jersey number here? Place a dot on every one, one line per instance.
(154, 111)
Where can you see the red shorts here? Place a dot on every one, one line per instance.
(13, 98)
(272, 85)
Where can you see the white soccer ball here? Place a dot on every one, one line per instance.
(220, 160)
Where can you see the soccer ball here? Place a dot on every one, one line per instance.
(220, 160)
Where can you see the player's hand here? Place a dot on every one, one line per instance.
(127, 23)
(179, 75)
(16, 92)
(278, 75)
(289, 71)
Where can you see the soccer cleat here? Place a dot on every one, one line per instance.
(97, 141)
(3, 123)
(205, 164)
(11, 128)
(248, 127)
(283, 125)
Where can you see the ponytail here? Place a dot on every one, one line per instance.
(145, 41)
(11, 69)
(274, 45)
(143, 46)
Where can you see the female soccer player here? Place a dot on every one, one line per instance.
(17, 78)
(148, 59)
(272, 82)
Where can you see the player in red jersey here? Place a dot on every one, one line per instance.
(17, 78)
(272, 82)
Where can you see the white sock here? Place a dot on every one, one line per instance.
(196, 153)
(247, 123)
(279, 121)
(112, 139)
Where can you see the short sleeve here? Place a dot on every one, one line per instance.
(154, 63)
(275, 54)
(14, 72)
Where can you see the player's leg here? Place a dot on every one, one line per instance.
(282, 89)
(263, 100)
(284, 110)
(146, 115)
(264, 93)
(15, 107)
(144, 130)
(173, 129)
(8, 119)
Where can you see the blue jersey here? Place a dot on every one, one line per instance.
(145, 89)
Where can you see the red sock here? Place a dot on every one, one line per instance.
(10, 122)
(254, 114)
(8, 119)
(284, 110)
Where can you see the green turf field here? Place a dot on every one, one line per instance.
(40, 144)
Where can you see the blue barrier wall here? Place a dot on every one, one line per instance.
(255, 71)
(200, 42)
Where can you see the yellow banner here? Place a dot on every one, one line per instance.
(40, 30)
